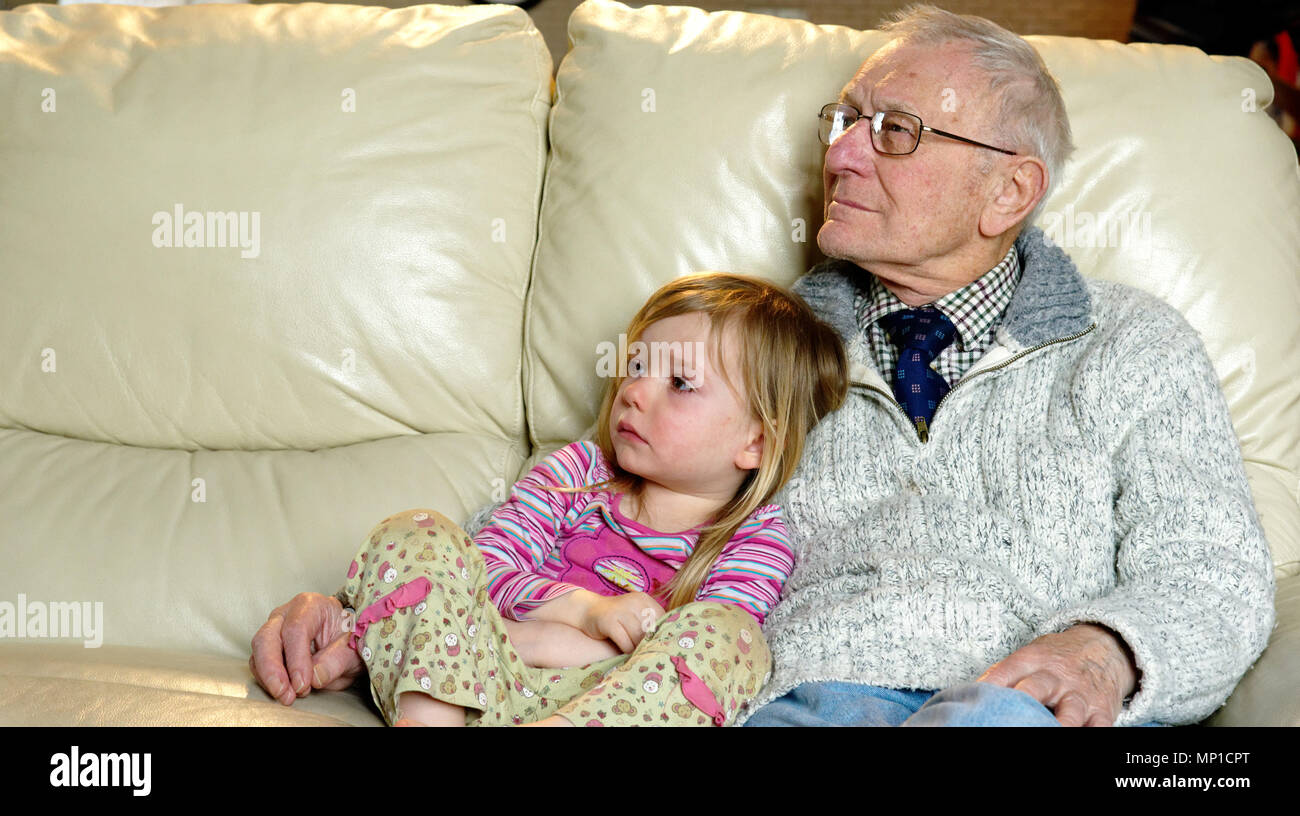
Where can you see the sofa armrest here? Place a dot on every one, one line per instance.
(1268, 694)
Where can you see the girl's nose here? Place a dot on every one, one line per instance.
(634, 391)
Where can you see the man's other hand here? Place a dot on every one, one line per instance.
(1082, 674)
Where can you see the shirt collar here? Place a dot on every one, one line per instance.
(1051, 302)
(973, 309)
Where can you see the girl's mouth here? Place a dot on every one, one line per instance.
(625, 431)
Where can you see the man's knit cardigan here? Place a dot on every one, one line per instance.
(1084, 470)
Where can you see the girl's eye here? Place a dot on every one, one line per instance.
(635, 367)
(678, 382)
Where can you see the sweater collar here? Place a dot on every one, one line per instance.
(1050, 303)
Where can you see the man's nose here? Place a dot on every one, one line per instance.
(852, 151)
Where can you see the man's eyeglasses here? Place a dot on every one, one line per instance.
(893, 133)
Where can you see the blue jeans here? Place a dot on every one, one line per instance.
(851, 704)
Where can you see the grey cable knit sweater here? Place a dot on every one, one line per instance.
(1084, 470)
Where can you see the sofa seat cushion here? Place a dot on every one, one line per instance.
(192, 549)
(70, 685)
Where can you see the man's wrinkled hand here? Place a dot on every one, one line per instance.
(304, 645)
(1082, 674)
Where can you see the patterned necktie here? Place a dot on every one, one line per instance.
(919, 335)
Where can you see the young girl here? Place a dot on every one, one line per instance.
(726, 376)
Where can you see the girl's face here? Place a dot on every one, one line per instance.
(675, 420)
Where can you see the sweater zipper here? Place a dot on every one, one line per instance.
(922, 431)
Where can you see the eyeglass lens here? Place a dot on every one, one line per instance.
(899, 132)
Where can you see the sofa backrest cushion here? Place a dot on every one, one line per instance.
(262, 277)
(683, 141)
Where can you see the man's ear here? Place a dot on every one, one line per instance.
(1017, 191)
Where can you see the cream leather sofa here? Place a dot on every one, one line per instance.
(192, 432)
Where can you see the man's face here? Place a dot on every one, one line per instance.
(902, 211)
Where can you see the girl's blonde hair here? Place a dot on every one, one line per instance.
(795, 372)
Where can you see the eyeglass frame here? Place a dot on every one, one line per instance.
(878, 118)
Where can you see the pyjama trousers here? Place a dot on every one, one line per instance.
(425, 623)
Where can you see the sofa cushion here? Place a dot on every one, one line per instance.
(683, 140)
(66, 685)
(201, 414)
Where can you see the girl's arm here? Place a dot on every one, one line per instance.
(754, 566)
(581, 627)
(523, 531)
(624, 619)
(549, 644)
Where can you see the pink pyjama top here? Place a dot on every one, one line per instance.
(542, 544)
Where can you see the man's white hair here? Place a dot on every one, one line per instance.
(1031, 115)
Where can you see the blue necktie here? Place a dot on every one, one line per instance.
(919, 335)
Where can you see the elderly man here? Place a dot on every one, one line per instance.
(1034, 482)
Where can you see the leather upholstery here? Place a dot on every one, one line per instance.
(220, 431)
(68, 685)
(422, 314)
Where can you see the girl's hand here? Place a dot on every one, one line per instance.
(624, 619)
(554, 645)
